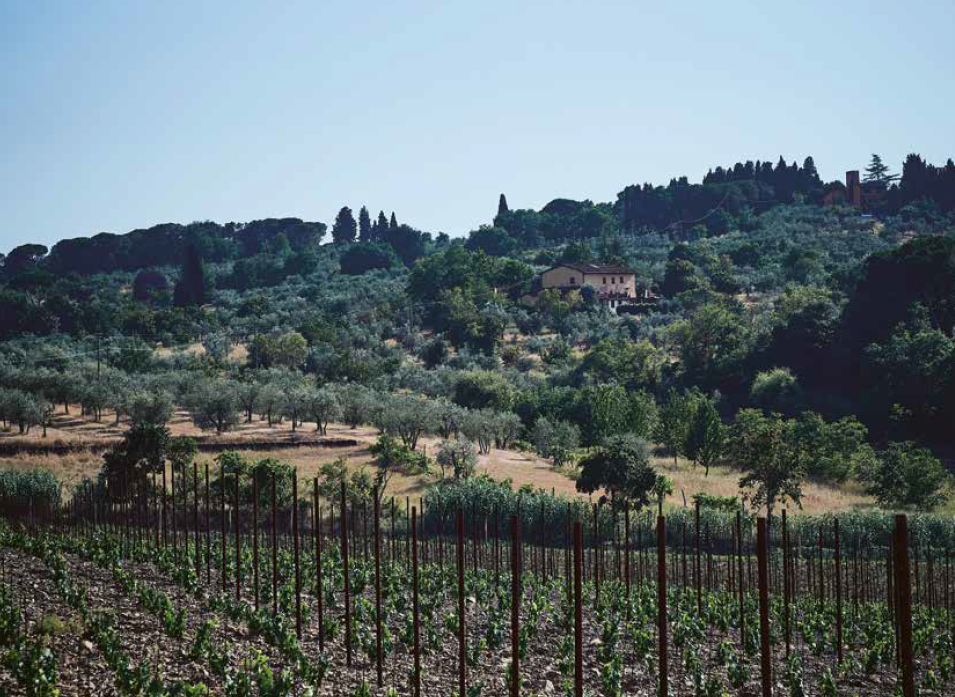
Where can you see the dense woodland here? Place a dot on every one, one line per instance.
(792, 339)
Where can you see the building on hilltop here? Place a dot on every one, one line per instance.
(615, 286)
(855, 192)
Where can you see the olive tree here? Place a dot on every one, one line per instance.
(507, 427)
(478, 427)
(149, 408)
(408, 417)
(119, 389)
(21, 409)
(356, 404)
(556, 440)
(270, 402)
(393, 457)
(249, 392)
(295, 404)
(459, 456)
(214, 404)
(94, 398)
(449, 418)
(322, 406)
(64, 390)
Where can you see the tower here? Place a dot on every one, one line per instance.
(853, 187)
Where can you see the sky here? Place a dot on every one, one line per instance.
(122, 115)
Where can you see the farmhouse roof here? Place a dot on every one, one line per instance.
(595, 268)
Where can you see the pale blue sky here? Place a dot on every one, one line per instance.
(117, 115)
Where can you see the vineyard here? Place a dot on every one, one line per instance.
(241, 588)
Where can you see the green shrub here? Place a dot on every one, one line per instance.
(725, 504)
(230, 462)
(31, 491)
(907, 476)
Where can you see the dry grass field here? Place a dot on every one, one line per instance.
(301, 450)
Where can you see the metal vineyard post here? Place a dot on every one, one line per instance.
(344, 526)
(662, 602)
(763, 579)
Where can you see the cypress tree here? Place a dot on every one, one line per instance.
(345, 228)
(364, 225)
(393, 225)
(381, 226)
(191, 287)
(502, 205)
(810, 173)
(783, 181)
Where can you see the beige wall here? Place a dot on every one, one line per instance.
(561, 276)
(612, 283)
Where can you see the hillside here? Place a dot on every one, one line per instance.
(777, 324)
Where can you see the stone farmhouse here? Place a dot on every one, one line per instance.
(615, 286)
